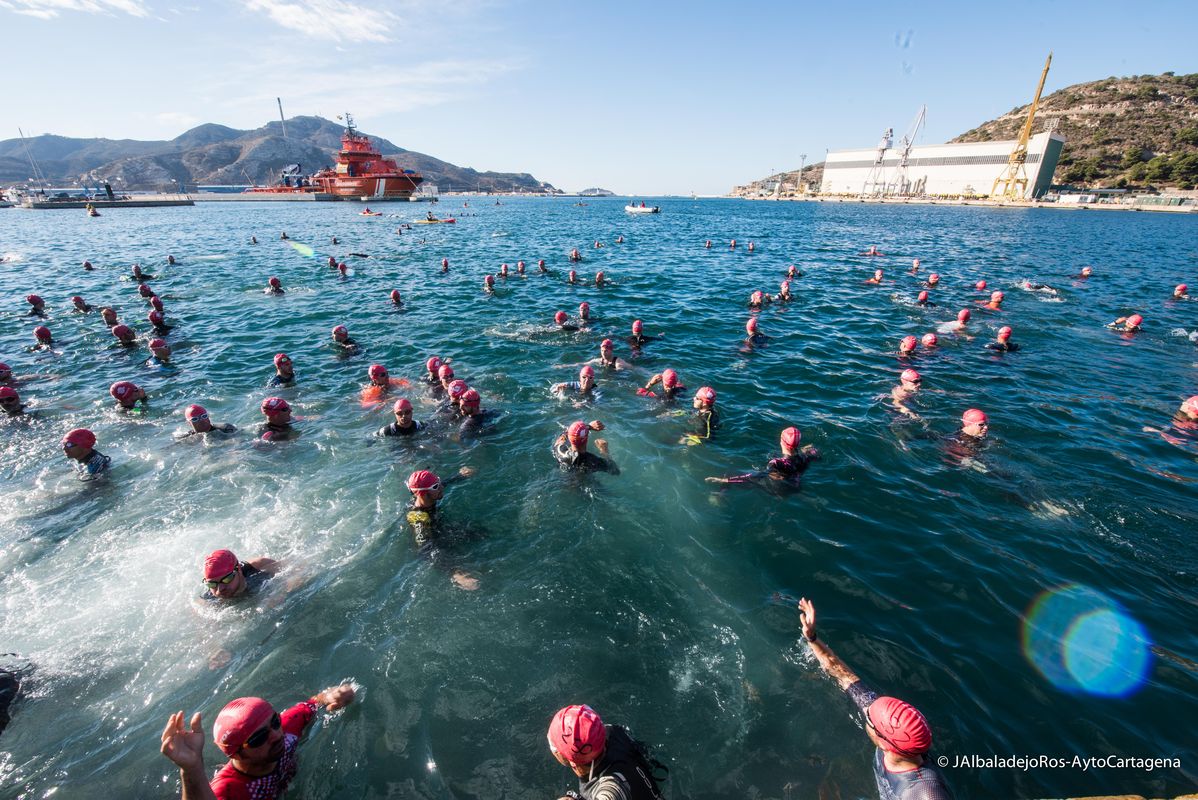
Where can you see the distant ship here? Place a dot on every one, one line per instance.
(360, 173)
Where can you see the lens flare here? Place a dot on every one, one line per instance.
(1082, 641)
(302, 249)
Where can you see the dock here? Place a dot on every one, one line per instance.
(129, 201)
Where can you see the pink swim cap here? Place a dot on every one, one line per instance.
(273, 406)
(275, 282)
(433, 364)
(402, 404)
(471, 398)
(606, 344)
(878, 274)
(445, 262)
(560, 318)
(584, 308)
(457, 389)
(219, 563)
(122, 389)
(587, 371)
(980, 285)
(900, 726)
(424, 480)
(577, 734)
(34, 300)
(1004, 332)
(43, 333)
(578, 433)
(599, 276)
(342, 266)
(791, 437)
(910, 376)
(974, 416)
(1134, 321)
(573, 274)
(77, 299)
(191, 412)
(996, 297)
(929, 340)
(907, 344)
(155, 317)
(706, 394)
(395, 297)
(238, 721)
(80, 437)
(122, 332)
(541, 262)
(489, 280)
(340, 332)
(444, 372)
(751, 326)
(755, 297)
(935, 276)
(1181, 288)
(963, 315)
(156, 344)
(377, 372)
(669, 378)
(282, 358)
(637, 326)
(332, 261)
(519, 265)
(1190, 405)
(923, 297)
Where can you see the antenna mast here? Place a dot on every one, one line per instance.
(282, 119)
(1013, 180)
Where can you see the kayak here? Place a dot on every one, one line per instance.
(370, 213)
(643, 209)
(450, 221)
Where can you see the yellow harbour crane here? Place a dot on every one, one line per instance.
(1012, 183)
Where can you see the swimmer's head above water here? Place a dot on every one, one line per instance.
(277, 411)
(704, 399)
(197, 418)
(907, 345)
(378, 375)
(974, 423)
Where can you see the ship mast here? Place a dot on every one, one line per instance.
(1013, 180)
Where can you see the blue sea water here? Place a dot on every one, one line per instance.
(1035, 598)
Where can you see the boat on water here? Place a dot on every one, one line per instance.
(446, 221)
(642, 209)
(91, 211)
(359, 173)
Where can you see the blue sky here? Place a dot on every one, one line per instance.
(646, 97)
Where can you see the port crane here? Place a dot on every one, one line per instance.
(875, 181)
(1012, 183)
(902, 183)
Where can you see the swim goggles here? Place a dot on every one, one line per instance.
(225, 581)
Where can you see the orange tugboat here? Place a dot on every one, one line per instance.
(360, 173)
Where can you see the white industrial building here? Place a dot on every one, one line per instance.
(938, 170)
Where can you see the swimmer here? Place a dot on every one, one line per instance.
(1181, 292)
(541, 267)
(996, 299)
(170, 260)
(909, 383)
(431, 370)
(445, 265)
(503, 271)
(584, 387)
(758, 299)
(197, 418)
(1085, 273)
(283, 236)
(343, 269)
(396, 298)
(475, 419)
(929, 340)
(793, 272)
(754, 337)
(1129, 324)
(1188, 412)
(600, 279)
(923, 300)
(260, 742)
(378, 376)
(901, 734)
(274, 286)
(427, 490)
(80, 305)
(404, 424)
(161, 352)
(584, 311)
(876, 279)
(341, 339)
(284, 371)
(489, 284)
(708, 245)
(706, 418)
(620, 239)
(109, 317)
(671, 387)
(789, 468)
(607, 356)
(872, 251)
(445, 376)
(933, 279)
(43, 338)
(158, 321)
(974, 424)
(1002, 342)
(561, 319)
(572, 277)
(454, 391)
(519, 267)
(127, 395)
(156, 304)
(609, 763)
(962, 318)
(10, 401)
(125, 335)
(142, 277)
(87, 266)
(732, 245)
(915, 266)
(144, 290)
(570, 449)
(907, 346)
(278, 420)
(79, 446)
(638, 337)
(598, 244)
(980, 286)
(38, 305)
(334, 241)
(332, 263)
(253, 240)
(752, 247)
(575, 255)
(226, 577)
(784, 295)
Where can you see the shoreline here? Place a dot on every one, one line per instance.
(979, 202)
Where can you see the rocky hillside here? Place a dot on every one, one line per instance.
(813, 176)
(1120, 132)
(215, 154)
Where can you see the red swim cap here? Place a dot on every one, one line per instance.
(907, 344)
(980, 285)
(76, 299)
(578, 433)
(706, 394)
(340, 332)
(121, 331)
(755, 297)
(1135, 320)
(751, 326)
(929, 340)
(457, 389)
(43, 333)
(239, 721)
(974, 416)
(402, 404)
(273, 406)
(282, 358)
(377, 372)
(395, 298)
(599, 276)
(444, 372)
(910, 376)
(156, 302)
(587, 371)
(122, 389)
(584, 307)
(489, 280)
(996, 297)
(7, 392)
(637, 326)
(577, 734)
(273, 281)
(471, 398)
(669, 378)
(963, 315)
(332, 261)
(342, 266)
(5, 369)
(34, 300)
(80, 437)
(190, 413)
(900, 726)
(560, 318)
(423, 480)
(155, 317)
(1181, 288)
(791, 437)
(923, 297)
(519, 265)
(541, 262)
(144, 291)
(1190, 405)
(433, 364)
(1004, 332)
(219, 563)
(606, 344)
(935, 276)
(445, 262)
(157, 343)
(573, 274)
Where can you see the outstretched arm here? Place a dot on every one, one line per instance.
(828, 660)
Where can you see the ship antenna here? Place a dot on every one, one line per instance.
(349, 123)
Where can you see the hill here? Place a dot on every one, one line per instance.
(216, 154)
(1120, 132)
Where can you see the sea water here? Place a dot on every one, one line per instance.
(1036, 598)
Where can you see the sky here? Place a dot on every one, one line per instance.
(652, 97)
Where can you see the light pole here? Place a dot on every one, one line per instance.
(802, 162)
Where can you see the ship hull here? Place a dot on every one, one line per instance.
(373, 188)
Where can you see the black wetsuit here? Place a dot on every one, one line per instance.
(394, 430)
(789, 468)
(575, 388)
(641, 341)
(10, 686)
(274, 290)
(91, 468)
(254, 578)
(277, 433)
(921, 783)
(163, 330)
(704, 424)
(477, 423)
(585, 461)
(623, 772)
(220, 431)
(1004, 347)
(757, 339)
